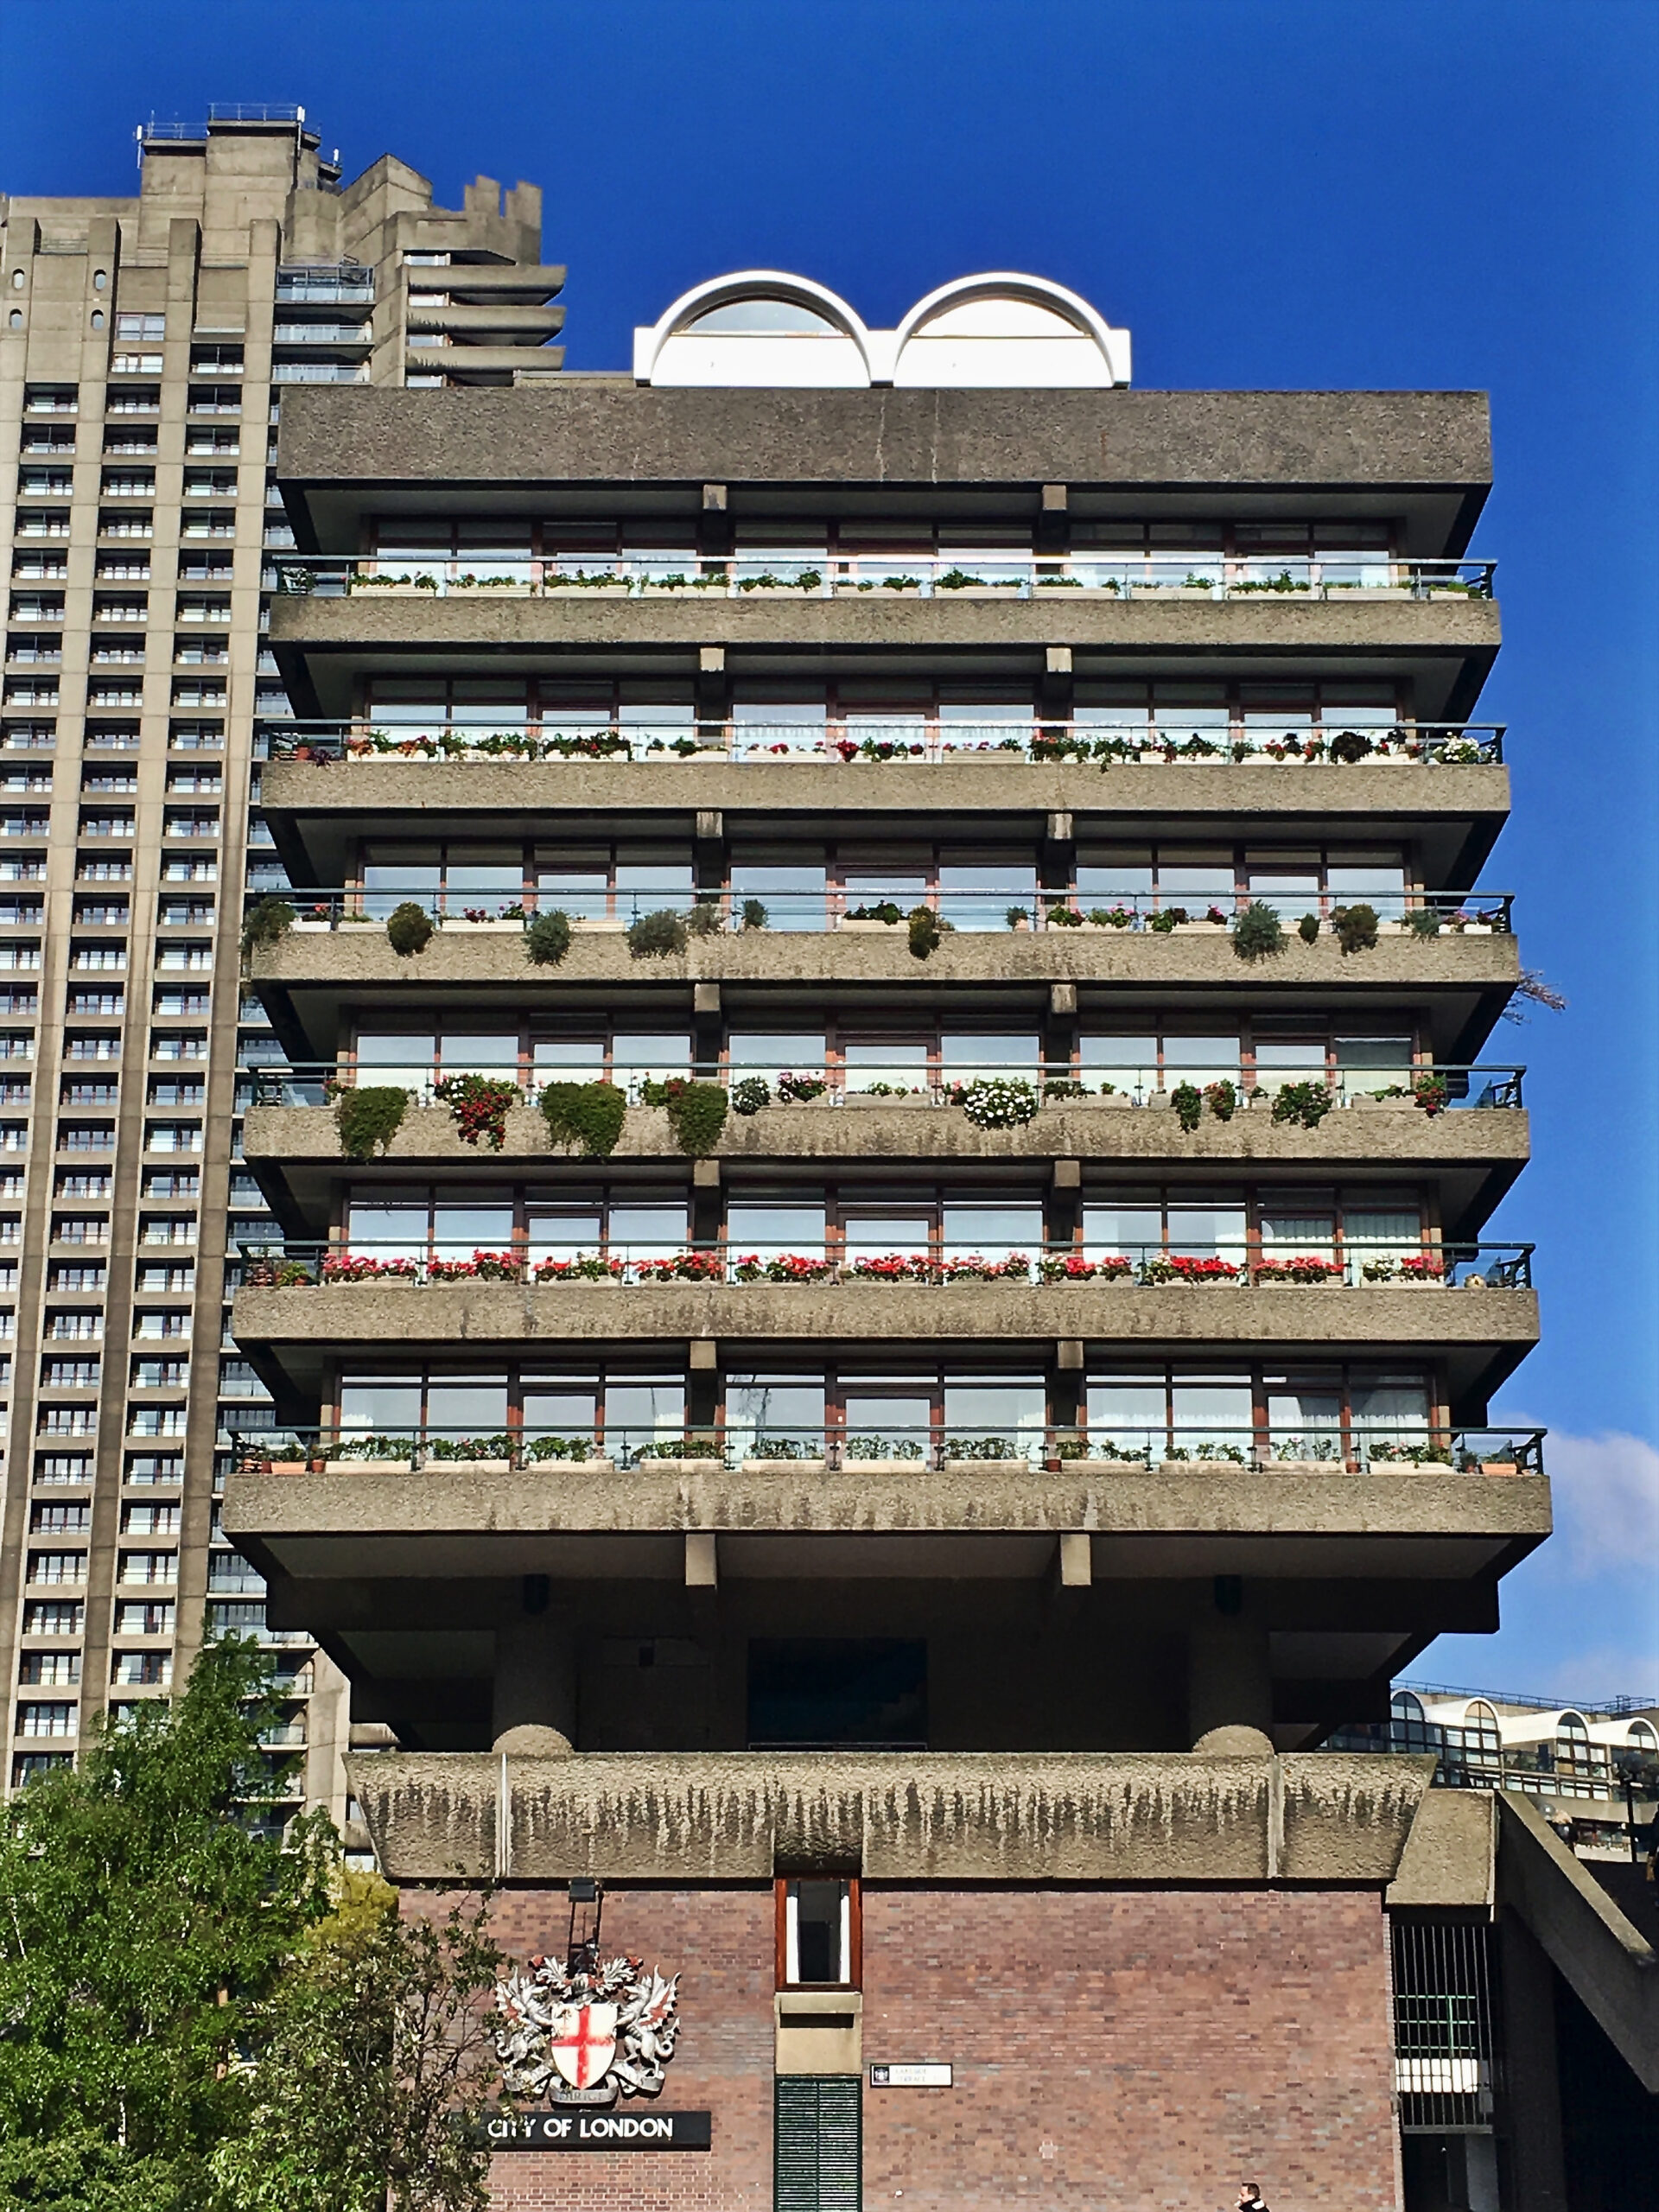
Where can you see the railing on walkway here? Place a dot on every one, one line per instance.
(1430, 1087)
(296, 1263)
(1121, 740)
(878, 906)
(737, 1446)
(1012, 574)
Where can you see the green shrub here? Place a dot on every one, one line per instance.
(369, 1119)
(1350, 746)
(409, 929)
(1308, 929)
(926, 931)
(1163, 923)
(585, 1114)
(1188, 1101)
(266, 922)
(754, 915)
(653, 936)
(1258, 933)
(548, 939)
(1305, 1102)
(696, 1112)
(1424, 921)
(705, 918)
(1356, 928)
(1222, 1098)
(750, 1094)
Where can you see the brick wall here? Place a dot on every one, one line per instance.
(1135, 2048)
(722, 1942)
(1148, 2048)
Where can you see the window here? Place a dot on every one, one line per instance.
(818, 1934)
(819, 1692)
(53, 1616)
(49, 1670)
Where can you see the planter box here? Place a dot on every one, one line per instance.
(908, 1098)
(595, 1466)
(467, 1467)
(1305, 1467)
(1201, 1467)
(884, 1466)
(1278, 1282)
(1105, 1467)
(286, 1467)
(368, 1467)
(596, 926)
(980, 1466)
(483, 929)
(310, 928)
(1199, 929)
(1115, 1098)
(666, 1466)
(1496, 1467)
(554, 586)
(1414, 1467)
(868, 929)
(782, 1466)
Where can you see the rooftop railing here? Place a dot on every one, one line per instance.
(298, 1263)
(736, 1446)
(1431, 1087)
(876, 908)
(1012, 574)
(879, 740)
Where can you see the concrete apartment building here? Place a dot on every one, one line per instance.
(887, 1120)
(897, 1555)
(146, 346)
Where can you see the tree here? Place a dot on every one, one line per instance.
(366, 2059)
(197, 2016)
(145, 1914)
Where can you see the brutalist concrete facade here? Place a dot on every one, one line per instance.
(907, 1544)
(147, 347)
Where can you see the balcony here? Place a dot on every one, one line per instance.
(888, 576)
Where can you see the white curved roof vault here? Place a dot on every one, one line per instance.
(757, 326)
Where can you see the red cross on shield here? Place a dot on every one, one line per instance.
(583, 2042)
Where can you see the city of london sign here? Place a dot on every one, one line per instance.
(583, 2033)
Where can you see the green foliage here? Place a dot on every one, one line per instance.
(409, 929)
(1308, 929)
(1188, 1101)
(705, 918)
(145, 1922)
(1222, 1098)
(480, 1104)
(268, 921)
(1350, 745)
(363, 2057)
(585, 1114)
(1258, 933)
(696, 1112)
(752, 914)
(750, 1094)
(548, 939)
(927, 932)
(368, 1120)
(1166, 920)
(655, 935)
(1356, 928)
(1424, 921)
(1306, 1103)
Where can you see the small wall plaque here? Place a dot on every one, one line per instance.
(923, 2077)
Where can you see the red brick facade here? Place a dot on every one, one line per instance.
(1146, 2048)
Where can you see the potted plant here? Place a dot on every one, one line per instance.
(657, 936)
(589, 1115)
(1307, 1269)
(700, 1454)
(771, 1455)
(478, 1455)
(881, 1455)
(1356, 928)
(966, 1455)
(997, 1102)
(409, 929)
(885, 914)
(572, 1451)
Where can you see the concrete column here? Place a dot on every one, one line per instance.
(1530, 2102)
(534, 1706)
(1229, 1681)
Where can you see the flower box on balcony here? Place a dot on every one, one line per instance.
(437, 1466)
(368, 1467)
(869, 929)
(1415, 1466)
(1096, 1464)
(782, 1466)
(312, 924)
(662, 1465)
(565, 1467)
(896, 1098)
(883, 1466)
(1012, 1466)
(482, 929)
(284, 1466)
(596, 925)
(1497, 1467)
(1307, 1467)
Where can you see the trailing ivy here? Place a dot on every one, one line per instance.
(585, 1114)
(1356, 928)
(409, 929)
(653, 936)
(268, 921)
(696, 1112)
(548, 939)
(368, 1120)
(1258, 933)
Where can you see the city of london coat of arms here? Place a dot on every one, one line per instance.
(578, 2034)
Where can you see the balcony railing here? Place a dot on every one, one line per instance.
(1011, 575)
(899, 738)
(881, 908)
(296, 1263)
(735, 1446)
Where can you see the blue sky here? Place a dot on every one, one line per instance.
(1268, 193)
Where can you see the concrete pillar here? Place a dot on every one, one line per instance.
(1529, 2103)
(1229, 1681)
(534, 1706)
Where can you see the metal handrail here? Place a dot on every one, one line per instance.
(1014, 907)
(314, 1082)
(825, 576)
(298, 1263)
(846, 738)
(733, 1444)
